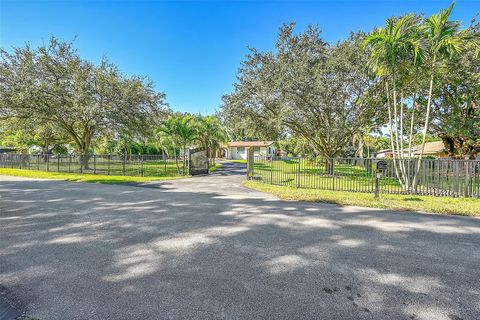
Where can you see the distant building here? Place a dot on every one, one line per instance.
(432, 149)
(237, 150)
(6, 149)
(386, 153)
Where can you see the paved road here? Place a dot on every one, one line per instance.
(208, 248)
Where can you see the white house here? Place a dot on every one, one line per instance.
(237, 150)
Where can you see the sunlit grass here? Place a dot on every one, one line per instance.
(445, 205)
(108, 167)
(238, 161)
(213, 168)
(86, 177)
(311, 174)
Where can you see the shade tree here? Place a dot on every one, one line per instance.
(54, 86)
(305, 88)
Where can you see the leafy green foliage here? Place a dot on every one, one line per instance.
(210, 134)
(179, 132)
(53, 86)
(306, 88)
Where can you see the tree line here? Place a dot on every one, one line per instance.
(53, 99)
(413, 77)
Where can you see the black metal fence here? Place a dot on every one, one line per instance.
(126, 165)
(438, 177)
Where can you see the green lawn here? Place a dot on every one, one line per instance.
(357, 175)
(213, 168)
(312, 174)
(445, 205)
(149, 168)
(238, 161)
(103, 165)
(85, 177)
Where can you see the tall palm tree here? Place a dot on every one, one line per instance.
(210, 135)
(167, 138)
(180, 131)
(186, 133)
(441, 39)
(391, 49)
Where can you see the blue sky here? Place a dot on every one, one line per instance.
(192, 49)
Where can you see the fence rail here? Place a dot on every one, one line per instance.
(438, 177)
(126, 165)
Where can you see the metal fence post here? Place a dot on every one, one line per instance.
(250, 163)
(298, 172)
(187, 162)
(108, 164)
(377, 185)
(48, 162)
(94, 164)
(58, 163)
(467, 179)
(164, 163)
(141, 166)
(123, 165)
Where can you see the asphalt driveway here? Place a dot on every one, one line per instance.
(208, 248)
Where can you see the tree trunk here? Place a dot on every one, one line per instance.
(360, 146)
(214, 155)
(83, 161)
(425, 129)
(402, 150)
(83, 143)
(410, 138)
(45, 148)
(176, 158)
(177, 164)
(84, 158)
(401, 164)
(83, 150)
(329, 166)
(185, 171)
(391, 133)
(450, 146)
(401, 124)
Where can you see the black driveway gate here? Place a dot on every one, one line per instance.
(197, 161)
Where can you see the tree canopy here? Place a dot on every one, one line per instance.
(306, 88)
(413, 75)
(53, 86)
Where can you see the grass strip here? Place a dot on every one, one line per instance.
(443, 205)
(85, 177)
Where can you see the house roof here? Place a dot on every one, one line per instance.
(6, 149)
(430, 148)
(384, 151)
(250, 143)
(433, 147)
